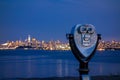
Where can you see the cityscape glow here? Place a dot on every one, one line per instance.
(34, 44)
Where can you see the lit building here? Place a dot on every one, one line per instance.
(29, 39)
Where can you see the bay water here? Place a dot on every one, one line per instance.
(42, 64)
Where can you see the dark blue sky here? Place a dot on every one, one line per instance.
(52, 19)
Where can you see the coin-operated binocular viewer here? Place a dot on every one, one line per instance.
(83, 41)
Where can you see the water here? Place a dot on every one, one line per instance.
(40, 64)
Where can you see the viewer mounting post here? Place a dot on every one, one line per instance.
(83, 41)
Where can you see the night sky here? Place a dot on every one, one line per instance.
(52, 19)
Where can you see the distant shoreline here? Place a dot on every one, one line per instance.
(59, 50)
(110, 77)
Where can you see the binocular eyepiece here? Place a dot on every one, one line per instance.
(84, 38)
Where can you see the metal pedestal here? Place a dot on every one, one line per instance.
(83, 71)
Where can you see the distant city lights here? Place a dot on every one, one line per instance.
(34, 44)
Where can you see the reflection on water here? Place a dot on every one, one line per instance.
(39, 66)
(104, 68)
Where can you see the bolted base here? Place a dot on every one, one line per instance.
(84, 77)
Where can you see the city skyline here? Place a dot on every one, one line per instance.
(52, 19)
(29, 38)
(31, 43)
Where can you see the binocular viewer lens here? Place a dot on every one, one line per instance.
(87, 29)
(85, 38)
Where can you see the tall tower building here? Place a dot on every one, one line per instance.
(29, 38)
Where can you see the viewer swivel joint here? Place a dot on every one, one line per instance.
(83, 41)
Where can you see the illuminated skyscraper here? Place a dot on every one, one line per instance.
(29, 39)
